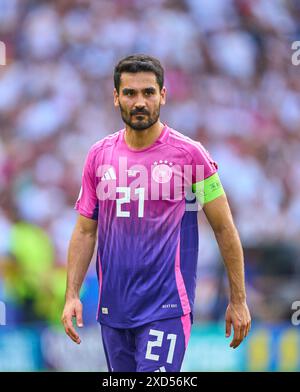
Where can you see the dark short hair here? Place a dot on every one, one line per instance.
(139, 63)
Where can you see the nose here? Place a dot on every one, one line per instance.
(140, 102)
(139, 108)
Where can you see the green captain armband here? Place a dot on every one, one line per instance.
(208, 189)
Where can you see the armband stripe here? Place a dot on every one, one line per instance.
(208, 189)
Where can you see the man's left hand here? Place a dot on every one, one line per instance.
(237, 315)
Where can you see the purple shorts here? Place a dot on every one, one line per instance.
(158, 346)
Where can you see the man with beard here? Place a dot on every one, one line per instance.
(135, 193)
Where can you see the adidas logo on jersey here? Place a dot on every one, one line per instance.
(109, 175)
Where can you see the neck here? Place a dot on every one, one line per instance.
(144, 138)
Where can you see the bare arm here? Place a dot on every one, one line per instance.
(219, 216)
(80, 253)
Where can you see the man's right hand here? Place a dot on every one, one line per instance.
(73, 308)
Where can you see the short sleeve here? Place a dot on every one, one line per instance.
(87, 202)
(203, 162)
(206, 182)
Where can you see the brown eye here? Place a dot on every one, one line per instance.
(128, 93)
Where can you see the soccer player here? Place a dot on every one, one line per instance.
(135, 194)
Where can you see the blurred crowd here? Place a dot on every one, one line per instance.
(231, 85)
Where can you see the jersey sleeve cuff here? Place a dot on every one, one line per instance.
(83, 212)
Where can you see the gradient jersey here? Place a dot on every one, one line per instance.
(147, 237)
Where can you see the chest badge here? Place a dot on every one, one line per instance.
(162, 171)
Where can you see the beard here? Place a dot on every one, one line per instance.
(142, 119)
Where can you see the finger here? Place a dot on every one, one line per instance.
(248, 328)
(228, 328)
(70, 331)
(237, 336)
(236, 342)
(241, 331)
(79, 319)
(72, 335)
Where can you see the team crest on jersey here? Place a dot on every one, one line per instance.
(162, 171)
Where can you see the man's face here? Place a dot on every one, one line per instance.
(139, 99)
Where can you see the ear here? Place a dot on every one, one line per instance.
(163, 96)
(116, 98)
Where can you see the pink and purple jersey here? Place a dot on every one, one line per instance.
(147, 236)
